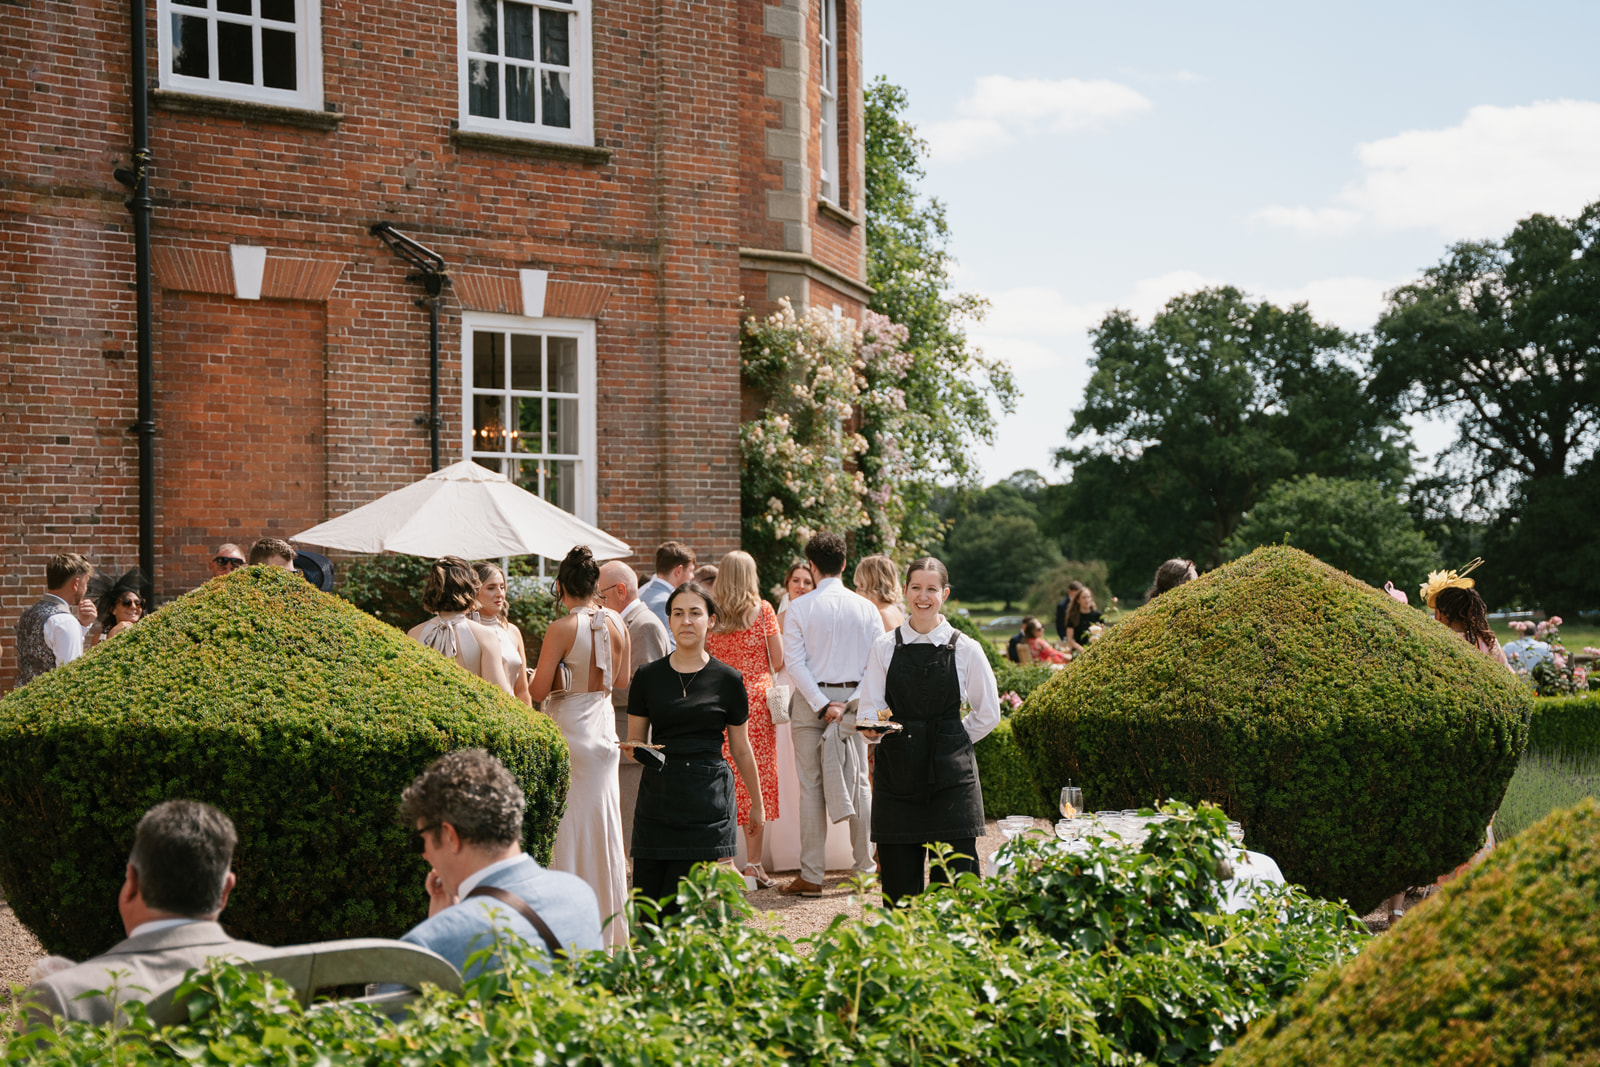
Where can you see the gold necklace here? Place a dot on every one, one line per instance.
(683, 685)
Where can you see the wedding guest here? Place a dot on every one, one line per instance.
(746, 638)
(1015, 644)
(274, 552)
(647, 642)
(1039, 650)
(878, 580)
(226, 559)
(47, 634)
(120, 603)
(688, 702)
(796, 583)
(826, 638)
(1170, 575)
(579, 662)
(674, 566)
(1075, 614)
(926, 788)
(452, 591)
(491, 612)
(706, 574)
(1459, 606)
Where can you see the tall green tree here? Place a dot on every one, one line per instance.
(1187, 422)
(949, 385)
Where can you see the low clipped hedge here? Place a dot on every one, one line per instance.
(1560, 767)
(1008, 783)
(296, 714)
(1022, 678)
(1501, 967)
(1363, 745)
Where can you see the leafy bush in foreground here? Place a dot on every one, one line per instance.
(1501, 967)
(1363, 745)
(1110, 957)
(296, 714)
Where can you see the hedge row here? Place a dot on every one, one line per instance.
(1008, 784)
(1560, 767)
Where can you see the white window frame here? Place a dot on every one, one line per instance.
(587, 464)
(828, 104)
(581, 131)
(308, 57)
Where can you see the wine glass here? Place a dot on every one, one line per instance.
(1071, 802)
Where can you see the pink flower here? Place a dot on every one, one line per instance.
(1555, 620)
(1560, 661)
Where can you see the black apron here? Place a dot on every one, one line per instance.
(686, 811)
(925, 777)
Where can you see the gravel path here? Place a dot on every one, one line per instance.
(18, 949)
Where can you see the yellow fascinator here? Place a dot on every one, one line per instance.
(1440, 580)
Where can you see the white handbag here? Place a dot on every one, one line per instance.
(778, 696)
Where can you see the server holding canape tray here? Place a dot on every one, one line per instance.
(925, 787)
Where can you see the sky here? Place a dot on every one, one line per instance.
(1101, 155)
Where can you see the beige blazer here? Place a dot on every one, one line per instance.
(148, 961)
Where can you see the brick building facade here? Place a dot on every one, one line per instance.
(611, 184)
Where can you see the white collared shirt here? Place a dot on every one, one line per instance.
(978, 688)
(157, 925)
(826, 637)
(63, 634)
(473, 880)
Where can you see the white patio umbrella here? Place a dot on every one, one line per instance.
(463, 510)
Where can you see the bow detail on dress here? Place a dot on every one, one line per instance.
(600, 641)
(439, 634)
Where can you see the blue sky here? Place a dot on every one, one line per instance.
(1114, 155)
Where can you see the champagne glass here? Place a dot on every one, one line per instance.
(1071, 801)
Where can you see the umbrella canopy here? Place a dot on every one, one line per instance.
(463, 510)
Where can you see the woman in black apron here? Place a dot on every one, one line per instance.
(925, 783)
(684, 702)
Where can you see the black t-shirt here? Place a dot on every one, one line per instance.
(690, 724)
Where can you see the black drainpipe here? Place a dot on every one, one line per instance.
(430, 272)
(138, 180)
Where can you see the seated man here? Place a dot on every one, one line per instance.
(177, 883)
(467, 810)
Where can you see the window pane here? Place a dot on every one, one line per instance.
(561, 483)
(277, 59)
(236, 56)
(557, 100)
(234, 7)
(278, 10)
(525, 362)
(483, 27)
(488, 424)
(492, 464)
(488, 365)
(519, 31)
(191, 3)
(564, 427)
(527, 476)
(519, 94)
(191, 52)
(483, 88)
(563, 364)
(530, 427)
(553, 46)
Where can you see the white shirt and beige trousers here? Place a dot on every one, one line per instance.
(827, 636)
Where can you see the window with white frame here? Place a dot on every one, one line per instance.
(259, 51)
(530, 405)
(525, 69)
(828, 122)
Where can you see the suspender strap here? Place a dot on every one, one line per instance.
(955, 636)
(522, 908)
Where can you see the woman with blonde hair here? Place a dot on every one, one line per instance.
(492, 613)
(746, 638)
(451, 592)
(878, 580)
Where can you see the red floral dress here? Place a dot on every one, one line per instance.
(746, 652)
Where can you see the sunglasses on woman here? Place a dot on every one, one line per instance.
(130, 602)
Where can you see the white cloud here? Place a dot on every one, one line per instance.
(1469, 181)
(1002, 109)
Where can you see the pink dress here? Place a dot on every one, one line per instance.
(746, 652)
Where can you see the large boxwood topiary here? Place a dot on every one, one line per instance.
(297, 714)
(1502, 967)
(1362, 744)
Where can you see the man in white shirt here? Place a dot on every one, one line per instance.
(47, 633)
(177, 883)
(674, 566)
(647, 642)
(827, 635)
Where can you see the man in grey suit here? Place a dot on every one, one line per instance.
(467, 811)
(647, 642)
(177, 883)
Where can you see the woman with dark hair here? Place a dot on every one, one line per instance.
(1170, 575)
(1077, 613)
(451, 592)
(688, 702)
(1459, 606)
(492, 613)
(119, 603)
(577, 668)
(925, 787)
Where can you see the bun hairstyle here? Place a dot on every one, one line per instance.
(452, 585)
(579, 574)
(698, 590)
(1170, 575)
(928, 563)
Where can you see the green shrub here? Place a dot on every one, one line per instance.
(970, 628)
(1107, 957)
(1022, 678)
(1560, 767)
(1362, 745)
(1008, 784)
(1502, 967)
(297, 715)
(389, 587)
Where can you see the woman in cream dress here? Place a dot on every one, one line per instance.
(573, 684)
(451, 592)
(492, 613)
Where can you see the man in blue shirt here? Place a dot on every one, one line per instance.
(674, 566)
(467, 811)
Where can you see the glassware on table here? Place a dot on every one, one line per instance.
(1071, 801)
(1236, 833)
(1014, 826)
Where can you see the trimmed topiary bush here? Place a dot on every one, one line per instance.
(1502, 967)
(1008, 784)
(298, 715)
(1363, 745)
